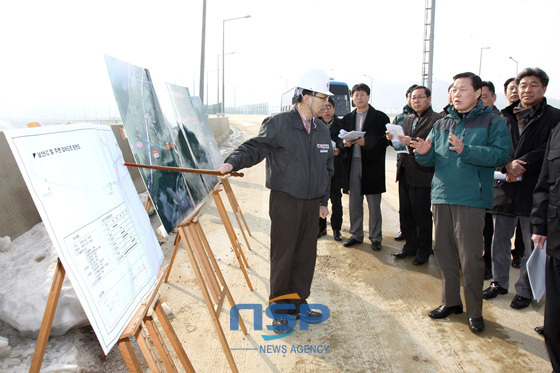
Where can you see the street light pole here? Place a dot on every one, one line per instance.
(224, 60)
(218, 79)
(480, 64)
(202, 51)
(516, 65)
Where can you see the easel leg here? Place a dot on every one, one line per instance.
(235, 206)
(129, 357)
(177, 240)
(159, 344)
(210, 255)
(148, 350)
(232, 237)
(190, 247)
(172, 336)
(48, 317)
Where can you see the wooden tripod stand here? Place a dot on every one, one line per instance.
(143, 315)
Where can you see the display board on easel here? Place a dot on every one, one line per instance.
(88, 203)
(159, 133)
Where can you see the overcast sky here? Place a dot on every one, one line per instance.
(52, 51)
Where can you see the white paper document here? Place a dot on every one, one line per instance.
(351, 136)
(536, 265)
(96, 221)
(396, 131)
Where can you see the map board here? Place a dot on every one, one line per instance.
(191, 115)
(153, 142)
(98, 225)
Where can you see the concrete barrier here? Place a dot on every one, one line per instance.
(220, 128)
(18, 209)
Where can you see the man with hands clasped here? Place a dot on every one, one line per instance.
(415, 180)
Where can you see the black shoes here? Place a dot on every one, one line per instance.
(419, 262)
(350, 242)
(399, 237)
(312, 317)
(442, 312)
(493, 291)
(402, 254)
(540, 330)
(476, 324)
(322, 232)
(337, 236)
(520, 302)
(516, 262)
(376, 245)
(280, 326)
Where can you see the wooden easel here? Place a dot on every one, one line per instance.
(143, 315)
(237, 249)
(235, 206)
(208, 274)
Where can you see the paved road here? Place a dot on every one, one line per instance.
(378, 305)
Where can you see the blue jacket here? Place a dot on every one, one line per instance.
(466, 179)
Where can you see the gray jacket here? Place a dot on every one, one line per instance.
(297, 163)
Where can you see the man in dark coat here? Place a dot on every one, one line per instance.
(529, 121)
(338, 177)
(415, 181)
(546, 228)
(365, 165)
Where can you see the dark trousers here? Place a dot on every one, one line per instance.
(336, 203)
(415, 217)
(293, 246)
(487, 234)
(551, 312)
(458, 249)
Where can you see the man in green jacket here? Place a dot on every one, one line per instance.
(464, 148)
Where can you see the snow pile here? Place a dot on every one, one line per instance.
(27, 268)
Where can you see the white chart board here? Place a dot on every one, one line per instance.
(102, 234)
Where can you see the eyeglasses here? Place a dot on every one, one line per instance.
(360, 94)
(418, 97)
(322, 98)
(327, 107)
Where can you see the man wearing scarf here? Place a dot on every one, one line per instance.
(530, 121)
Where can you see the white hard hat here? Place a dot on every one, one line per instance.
(315, 80)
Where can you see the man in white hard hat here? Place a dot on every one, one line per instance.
(299, 167)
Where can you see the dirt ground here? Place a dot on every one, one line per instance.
(378, 305)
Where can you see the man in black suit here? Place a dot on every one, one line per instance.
(365, 165)
(415, 181)
(337, 180)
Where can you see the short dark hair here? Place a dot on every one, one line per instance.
(475, 79)
(426, 90)
(360, 87)
(303, 93)
(330, 100)
(507, 83)
(488, 84)
(530, 71)
(410, 89)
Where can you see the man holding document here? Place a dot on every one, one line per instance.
(365, 164)
(546, 228)
(415, 213)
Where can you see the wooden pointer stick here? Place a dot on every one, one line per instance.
(180, 169)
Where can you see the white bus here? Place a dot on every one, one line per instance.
(341, 97)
